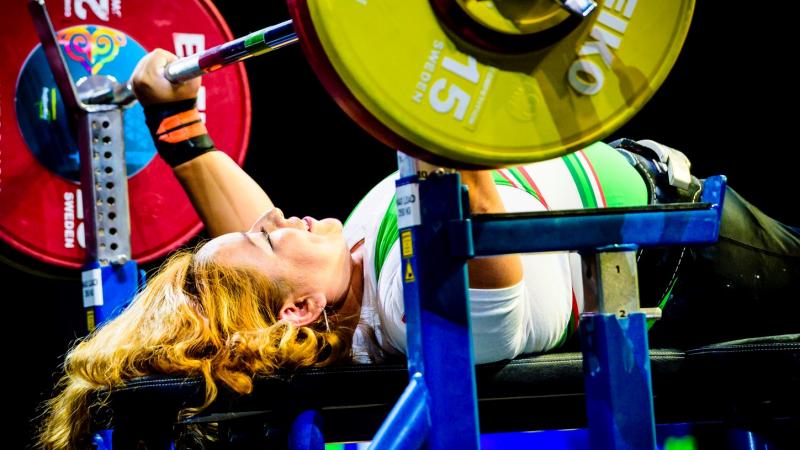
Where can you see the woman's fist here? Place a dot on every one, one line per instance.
(150, 85)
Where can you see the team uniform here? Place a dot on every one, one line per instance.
(535, 315)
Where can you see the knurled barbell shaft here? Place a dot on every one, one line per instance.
(254, 44)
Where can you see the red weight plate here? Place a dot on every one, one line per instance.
(40, 211)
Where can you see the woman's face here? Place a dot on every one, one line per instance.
(311, 255)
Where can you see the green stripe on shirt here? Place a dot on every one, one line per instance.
(387, 236)
(621, 184)
(500, 180)
(581, 180)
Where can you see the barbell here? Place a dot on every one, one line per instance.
(554, 75)
(465, 83)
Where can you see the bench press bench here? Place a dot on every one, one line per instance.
(751, 384)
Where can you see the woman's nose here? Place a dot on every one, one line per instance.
(276, 214)
(269, 221)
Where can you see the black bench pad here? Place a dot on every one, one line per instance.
(749, 382)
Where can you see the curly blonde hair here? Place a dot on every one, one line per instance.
(194, 318)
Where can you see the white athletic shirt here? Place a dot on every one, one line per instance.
(532, 316)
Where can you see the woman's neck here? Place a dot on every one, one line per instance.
(349, 309)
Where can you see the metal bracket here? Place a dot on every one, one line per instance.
(110, 277)
(104, 183)
(611, 282)
(100, 136)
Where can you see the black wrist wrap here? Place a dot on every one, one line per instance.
(178, 131)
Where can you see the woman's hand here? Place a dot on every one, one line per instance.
(150, 85)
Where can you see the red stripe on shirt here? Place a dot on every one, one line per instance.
(534, 186)
(596, 178)
(509, 179)
(576, 314)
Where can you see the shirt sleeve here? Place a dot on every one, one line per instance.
(499, 325)
(499, 328)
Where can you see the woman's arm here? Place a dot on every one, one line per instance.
(225, 197)
(496, 271)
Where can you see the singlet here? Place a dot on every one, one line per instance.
(535, 315)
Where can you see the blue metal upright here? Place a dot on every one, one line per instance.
(409, 423)
(616, 370)
(306, 432)
(108, 289)
(442, 376)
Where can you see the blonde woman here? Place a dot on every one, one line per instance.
(271, 292)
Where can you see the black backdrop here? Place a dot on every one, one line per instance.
(728, 103)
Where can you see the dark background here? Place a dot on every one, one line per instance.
(728, 104)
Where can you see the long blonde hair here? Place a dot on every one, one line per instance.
(194, 318)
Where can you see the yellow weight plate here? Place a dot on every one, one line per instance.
(484, 109)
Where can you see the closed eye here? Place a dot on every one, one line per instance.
(266, 235)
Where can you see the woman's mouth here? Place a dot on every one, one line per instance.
(309, 223)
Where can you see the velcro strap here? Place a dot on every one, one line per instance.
(178, 120)
(184, 133)
(178, 131)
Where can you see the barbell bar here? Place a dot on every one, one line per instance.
(197, 65)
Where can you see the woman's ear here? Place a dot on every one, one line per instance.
(302, 311)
